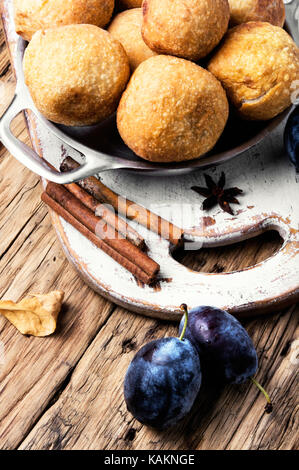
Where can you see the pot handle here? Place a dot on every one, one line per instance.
(28, 157)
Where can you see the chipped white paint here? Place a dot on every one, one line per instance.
(270, 201)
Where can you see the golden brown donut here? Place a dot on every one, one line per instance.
(258, 65)
(76, 73)
(172, 110)
(243, 11)
(126, 4)
(33, 15)
(126, 28)
(188, 29)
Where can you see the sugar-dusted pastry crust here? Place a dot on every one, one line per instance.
(33, 15)
(126, 28)
(258, 65)
(172, 110)
(184, 28)
(243, 11)
(76, 73)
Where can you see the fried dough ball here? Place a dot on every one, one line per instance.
(75, 74)
(126, 28)
(172, 110)
(188, 29)
(258, 65)
(33, 15)
(243, 11)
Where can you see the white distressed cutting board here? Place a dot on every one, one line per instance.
(270, 201)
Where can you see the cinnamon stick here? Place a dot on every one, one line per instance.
(128, 208)
(108, 215)
(102, 230)
(104, 212)
(109, 250)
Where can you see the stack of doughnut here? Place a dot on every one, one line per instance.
(172, 70)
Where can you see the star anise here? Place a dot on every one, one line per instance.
(216, 194)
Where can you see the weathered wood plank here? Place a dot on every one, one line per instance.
(7, 82)
(33, 369)
(91, 413)
(19, 199)
(84, 401)
(230, 258)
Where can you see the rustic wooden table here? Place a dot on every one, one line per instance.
(65, 391)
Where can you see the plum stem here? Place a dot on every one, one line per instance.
(269, 406)
(185, 310)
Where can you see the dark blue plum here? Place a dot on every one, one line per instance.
(162, 382)
(291, 138)
(226, 351)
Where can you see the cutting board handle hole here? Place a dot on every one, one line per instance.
(226, 258)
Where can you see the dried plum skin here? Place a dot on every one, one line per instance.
(162, 382)
(225, 348)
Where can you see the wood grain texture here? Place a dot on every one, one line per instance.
(65, 391)
(265, 170)
(91, 414)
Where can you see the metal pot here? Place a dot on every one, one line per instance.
(103, 148)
